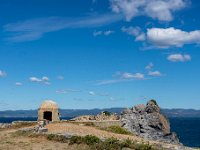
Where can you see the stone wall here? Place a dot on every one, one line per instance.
(55, 114)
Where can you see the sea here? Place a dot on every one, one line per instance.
(187, 129)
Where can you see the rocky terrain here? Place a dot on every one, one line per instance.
(148, 122)
(103, 116)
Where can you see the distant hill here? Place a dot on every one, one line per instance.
(78, 112)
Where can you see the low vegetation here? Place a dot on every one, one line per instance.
(91, 141)
(107, 113)
(109, 144)
(117, 129)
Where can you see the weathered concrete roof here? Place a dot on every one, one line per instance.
(49, 104)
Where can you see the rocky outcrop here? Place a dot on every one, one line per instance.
(148, 122)
(5, 125)
(99, 117)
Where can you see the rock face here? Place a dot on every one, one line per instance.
(99, 117)
(148, 122)
(5, 125)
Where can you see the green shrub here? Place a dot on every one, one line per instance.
(154, 101)
(127, 143)
(58, 138)
(76, 140)
(110, 144)
(90, 139)
(117, 129)
(107, 113)
(143, 146)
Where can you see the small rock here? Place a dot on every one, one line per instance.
(42, 130)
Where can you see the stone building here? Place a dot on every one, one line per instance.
(48, 110)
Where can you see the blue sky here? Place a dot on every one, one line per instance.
(99, 54)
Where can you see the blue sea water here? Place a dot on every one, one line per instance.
(187, 129)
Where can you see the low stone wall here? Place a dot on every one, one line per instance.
(104, 124)
(101, 124)
(17, 124)
(5, 125)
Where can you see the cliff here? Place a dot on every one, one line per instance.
(148, 122)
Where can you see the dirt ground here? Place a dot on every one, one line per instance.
(86, 130)
(10, 142)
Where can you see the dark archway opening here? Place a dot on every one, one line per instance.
(48, 115)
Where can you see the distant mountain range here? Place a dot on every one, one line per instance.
(78, 112)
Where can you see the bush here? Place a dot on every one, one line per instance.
(109, 144)
(127, 143)
(58, 138)
(75, 140)
(90, 139)
(107, 113)
(154, 101)
(143, 146)
(117, 129)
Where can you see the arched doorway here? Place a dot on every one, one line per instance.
(48, 115)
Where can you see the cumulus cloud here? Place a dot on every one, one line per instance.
(106, 33)
(157, 9)
(35, 79)
(179, 57)
(18, 84)
(171, 37)
(34, 29)
(154, 73)
(136, 32)
(3, 74)
(44, 80)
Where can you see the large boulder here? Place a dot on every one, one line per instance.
(148, 122)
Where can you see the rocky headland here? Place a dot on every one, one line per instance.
(148, 122)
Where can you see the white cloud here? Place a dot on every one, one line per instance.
(157, 9)
(136, 32)
(45, 78)
(92, 93)
(154, 73)
(18, 84)
(64, 91)
(127, 75)
(149, 66)
(171, 37)
(96, 33)
(34, 29)
(106, 33)
(2, 74)
(112, 81)
(35, 79)
(179, 57)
